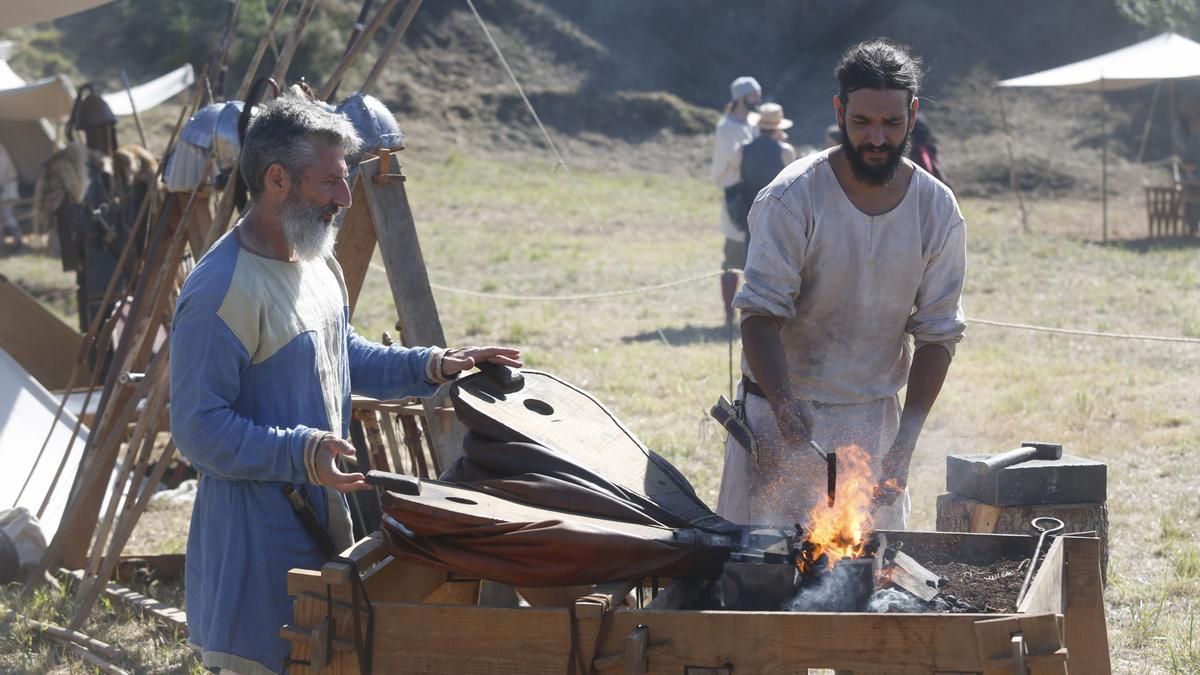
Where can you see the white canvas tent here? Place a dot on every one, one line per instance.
(31, 112)
(1166, 57)
(150, 94)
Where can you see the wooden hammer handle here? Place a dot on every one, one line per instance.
(1005, 459)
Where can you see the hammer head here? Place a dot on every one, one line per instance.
(1045, 451)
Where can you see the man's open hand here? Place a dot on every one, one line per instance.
(328, 473)
(464, 358)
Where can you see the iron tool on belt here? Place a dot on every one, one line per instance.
(732, 417)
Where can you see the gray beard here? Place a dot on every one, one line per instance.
(305, 231)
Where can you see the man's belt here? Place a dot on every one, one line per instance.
(751, 387)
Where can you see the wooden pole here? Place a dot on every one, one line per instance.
(357, 49)
(137, 118)
(221, 59)
(393, 40)
(355, 33)
(1149, 120)
(293, 41)
(139, 448)
(121, 536)
(1012, 166)
(66, 635)
(90, 337)
(100, 664)
(252, 69)
(69, 544)
(1103, 162)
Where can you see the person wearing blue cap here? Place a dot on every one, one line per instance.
(736, 128)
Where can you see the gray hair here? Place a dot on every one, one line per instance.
(283, 132)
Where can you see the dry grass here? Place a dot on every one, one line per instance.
(522, 228)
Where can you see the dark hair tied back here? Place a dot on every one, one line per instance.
(878, 64)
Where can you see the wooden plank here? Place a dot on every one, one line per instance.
(1040, 640)
(1047, 590)
(470, 640)
(355, 243)
(41, 342)
(408, 278)
(1086, 627)
(168, 617)
(365, 552)
(778, 642)
(413, 638)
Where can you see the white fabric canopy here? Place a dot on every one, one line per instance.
(1166, 57)
(152, 93)
(17, 13)
(49, 98)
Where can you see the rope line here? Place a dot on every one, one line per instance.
(574, 297)
(587, 205)
(1084, 333)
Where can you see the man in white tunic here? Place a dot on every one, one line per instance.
(854, 250)
(735, 129)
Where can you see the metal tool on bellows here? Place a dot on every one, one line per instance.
(732, 417)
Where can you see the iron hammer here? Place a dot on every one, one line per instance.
(1028, 450)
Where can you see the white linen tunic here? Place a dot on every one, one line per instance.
(849, 290)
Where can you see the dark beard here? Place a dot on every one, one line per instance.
(867, 173)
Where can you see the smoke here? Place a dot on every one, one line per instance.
(895, 600)
(841, 589)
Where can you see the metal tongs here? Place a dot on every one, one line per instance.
(1046, 526)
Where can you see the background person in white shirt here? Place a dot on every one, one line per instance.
(735, 128)
(853, 250)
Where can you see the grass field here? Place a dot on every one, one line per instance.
(495, 226)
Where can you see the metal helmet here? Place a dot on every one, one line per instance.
(373, 121)
(92, 111)
(214, 128)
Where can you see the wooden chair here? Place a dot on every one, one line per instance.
(1173, 210)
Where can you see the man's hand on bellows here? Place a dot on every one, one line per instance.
(464, 358)
(328, 473)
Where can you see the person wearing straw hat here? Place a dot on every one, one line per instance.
(736, 128)
(758, 162)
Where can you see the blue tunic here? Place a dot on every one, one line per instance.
(263, 358)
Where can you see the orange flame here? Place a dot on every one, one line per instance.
(840, 531)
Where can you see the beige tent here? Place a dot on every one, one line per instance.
(30, 112)
(1167, 57)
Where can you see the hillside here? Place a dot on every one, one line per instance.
(640, 83)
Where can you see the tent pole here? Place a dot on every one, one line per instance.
(1103, 163)
(1149, 119)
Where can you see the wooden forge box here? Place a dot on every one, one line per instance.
(371, 612)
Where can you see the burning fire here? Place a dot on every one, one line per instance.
(841, 530)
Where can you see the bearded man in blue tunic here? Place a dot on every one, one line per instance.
(263, 362)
